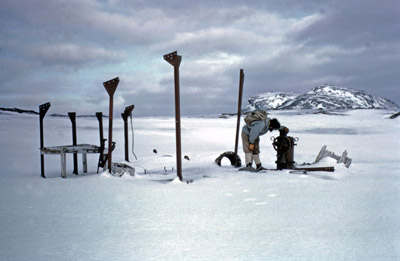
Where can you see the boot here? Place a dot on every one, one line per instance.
(259, 166)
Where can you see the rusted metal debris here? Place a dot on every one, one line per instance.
(110, 87)
(339, 159)
(175, 60)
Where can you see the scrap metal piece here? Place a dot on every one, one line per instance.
(119, 169)
(232, 156)
(329, 169)
(340, 159)
(393, 116)
(175, 60)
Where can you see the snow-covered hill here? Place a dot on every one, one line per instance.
(321, 97)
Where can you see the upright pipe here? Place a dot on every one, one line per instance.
(42, 112)
(110, 87)
(72, 117)
(241, 80)
(127, 112)
(175, 60)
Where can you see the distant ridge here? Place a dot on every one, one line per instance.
(325, 97)
(19, 110)
(32, 112)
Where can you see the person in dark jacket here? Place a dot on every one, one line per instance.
(257, 124)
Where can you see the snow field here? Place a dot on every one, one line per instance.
(351, 214)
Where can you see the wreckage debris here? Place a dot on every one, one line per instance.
(340, 159)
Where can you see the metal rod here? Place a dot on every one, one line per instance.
(241, 80)
(175, 60)
(72, 117)
(329, 169)
(42, 112)
(110, 87)
(125, 115)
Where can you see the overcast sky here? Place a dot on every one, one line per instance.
(61, 51)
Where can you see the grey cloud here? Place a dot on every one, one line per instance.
(64, 50)
(73, 55)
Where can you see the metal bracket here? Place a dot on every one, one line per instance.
(43, 109)
(127, 112)
(173, 58)
(111, 85)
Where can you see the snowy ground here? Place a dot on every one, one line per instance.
(351, 214)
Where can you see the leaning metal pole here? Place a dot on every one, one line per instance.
(175, 60)
(110, 86)
(241, 80)
(42, 112)
(127, 112)
(99, 116)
